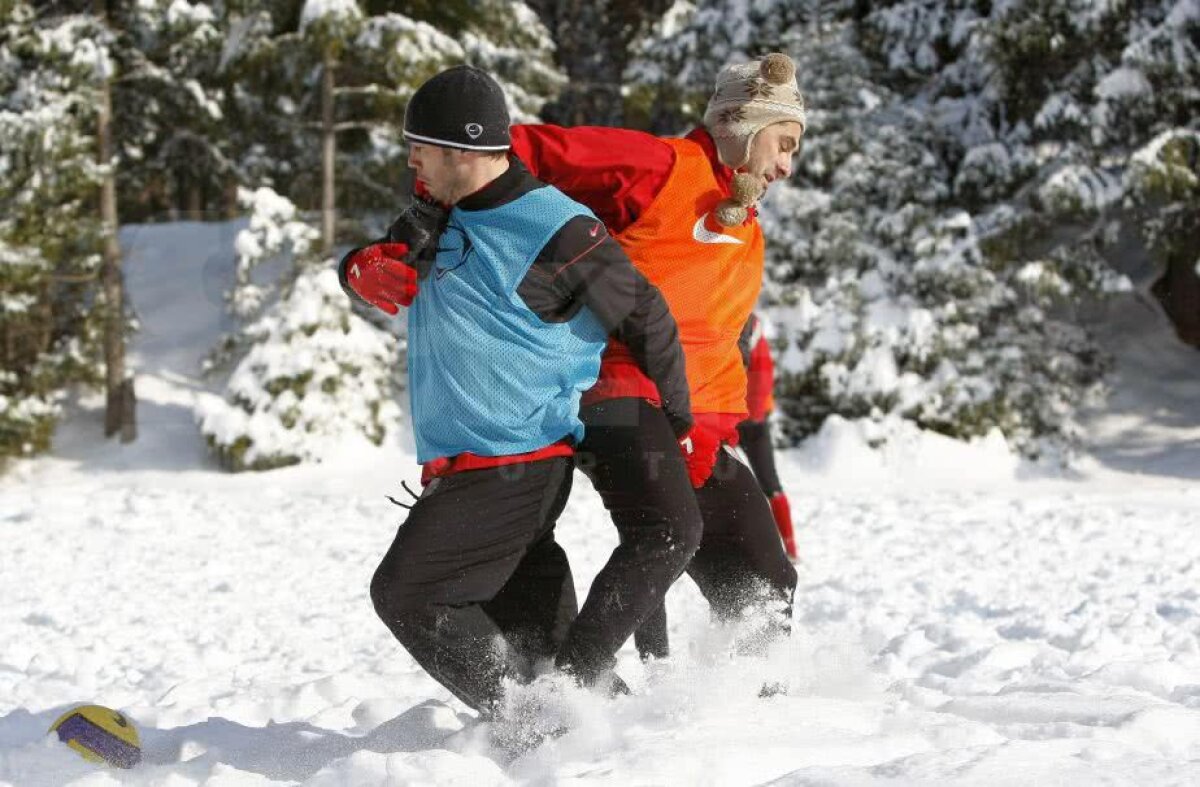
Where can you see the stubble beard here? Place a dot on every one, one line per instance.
(451, 191)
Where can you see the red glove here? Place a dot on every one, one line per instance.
(699, 448)
(782, 511)
(380, 276)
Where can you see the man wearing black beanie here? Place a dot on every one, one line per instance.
(461, 108)
(512, 293)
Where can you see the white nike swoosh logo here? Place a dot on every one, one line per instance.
(705, 235)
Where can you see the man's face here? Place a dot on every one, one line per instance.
(772, 151)
(443, 171)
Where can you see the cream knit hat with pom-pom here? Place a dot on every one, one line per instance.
(748, 98)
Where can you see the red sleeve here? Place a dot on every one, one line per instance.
(760, 380)
(614, 171)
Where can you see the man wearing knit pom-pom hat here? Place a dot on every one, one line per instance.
(684, 210)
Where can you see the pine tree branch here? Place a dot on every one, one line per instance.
(143, 68)
(361, 90)
(77, 278)
(348, 125)
(363, 124)
(183, 135)
(355, 174)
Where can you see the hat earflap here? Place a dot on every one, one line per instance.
(734, 210)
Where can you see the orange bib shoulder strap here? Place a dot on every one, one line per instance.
(710, 275)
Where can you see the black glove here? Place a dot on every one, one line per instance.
(420, 226)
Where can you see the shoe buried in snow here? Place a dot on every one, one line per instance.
(535, 713)
(602, 681)
(530, 715)
(611, 685)
(514, 739)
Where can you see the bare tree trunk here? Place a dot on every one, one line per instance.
(1179, 292)
(232, 210)
(172, 188)
(128, 412)
(116, 410)
(195, 200)
(328, 150)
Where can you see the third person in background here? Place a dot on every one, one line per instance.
(755, 431)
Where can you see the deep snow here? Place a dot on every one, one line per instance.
(961, 617)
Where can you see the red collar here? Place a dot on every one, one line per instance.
(724, 174)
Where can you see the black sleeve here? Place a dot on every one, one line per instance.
(341, 269)
(582, 266)
(419, 225)
(746, 340)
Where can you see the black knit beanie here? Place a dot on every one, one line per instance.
(462, 107)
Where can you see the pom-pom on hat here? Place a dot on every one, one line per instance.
(748, 98)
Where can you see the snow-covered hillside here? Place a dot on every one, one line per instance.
(961, 618)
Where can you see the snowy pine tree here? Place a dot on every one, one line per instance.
(275, 233)
(169, 125)
(594, 39)
(317, 378)
(956, 198)
(362, 68)
(76, 82)
(50, 232)
(309, 375)
(675, 64)
(379, 56)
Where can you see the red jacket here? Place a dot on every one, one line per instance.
(617, 173)
(760, 370)
(614, 171)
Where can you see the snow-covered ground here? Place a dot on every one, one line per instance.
(961, 618)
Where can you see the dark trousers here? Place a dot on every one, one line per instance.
(474, 585)
(631, 457)
(741, 562)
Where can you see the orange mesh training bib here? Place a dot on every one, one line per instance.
(709, 275)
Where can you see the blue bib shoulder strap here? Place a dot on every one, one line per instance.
(486, 374)
(512, 235)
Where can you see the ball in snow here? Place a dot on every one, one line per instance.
(100, 734)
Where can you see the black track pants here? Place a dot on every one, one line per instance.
(741, 562)
(632, 458)
(474, 585)
(754, 437)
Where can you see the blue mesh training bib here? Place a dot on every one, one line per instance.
(486, 374)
